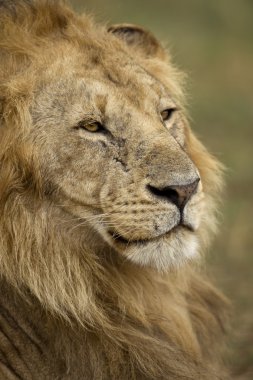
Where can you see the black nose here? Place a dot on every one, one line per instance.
(177, 194)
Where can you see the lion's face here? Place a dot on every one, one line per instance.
(113, 150)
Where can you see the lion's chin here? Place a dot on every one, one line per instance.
(169, 251)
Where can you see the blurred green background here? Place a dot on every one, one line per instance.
(212, 41)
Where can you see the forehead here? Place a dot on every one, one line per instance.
(100, 75)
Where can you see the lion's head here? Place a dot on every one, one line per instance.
(112, 143)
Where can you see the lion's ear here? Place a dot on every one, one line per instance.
(139, 39)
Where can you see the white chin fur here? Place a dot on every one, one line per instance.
(168, 253)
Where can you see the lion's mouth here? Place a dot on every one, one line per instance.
(120, 239)
(117, 238)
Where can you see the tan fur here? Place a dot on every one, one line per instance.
(76, 303)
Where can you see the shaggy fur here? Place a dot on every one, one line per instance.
(74, 304)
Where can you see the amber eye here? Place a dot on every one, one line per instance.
(90, 126)
(166, 114)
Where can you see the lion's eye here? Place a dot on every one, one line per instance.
(166, 114)
(90, 127)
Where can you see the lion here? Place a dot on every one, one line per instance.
(107, 201)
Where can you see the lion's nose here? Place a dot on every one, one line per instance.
(177, 194)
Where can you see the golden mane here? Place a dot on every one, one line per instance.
(161, 325)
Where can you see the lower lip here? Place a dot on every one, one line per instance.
(122, 240)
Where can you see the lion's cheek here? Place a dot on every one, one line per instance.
(75, 188)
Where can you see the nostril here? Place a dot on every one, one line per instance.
(167, 193)
(172, 195)
(177, 194)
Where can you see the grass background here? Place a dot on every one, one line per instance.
(212, 41)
